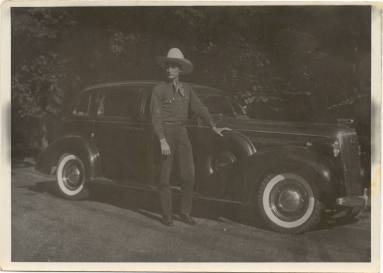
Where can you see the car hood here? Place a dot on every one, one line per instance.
(286, 127)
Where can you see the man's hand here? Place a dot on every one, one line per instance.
(219, 131)
(165, 148)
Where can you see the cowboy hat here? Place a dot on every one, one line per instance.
(175, 56)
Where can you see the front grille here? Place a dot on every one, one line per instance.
(351, 164)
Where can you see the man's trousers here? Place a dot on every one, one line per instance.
(180, 150)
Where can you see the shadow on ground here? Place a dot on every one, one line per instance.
(45, 187)
(147, 204)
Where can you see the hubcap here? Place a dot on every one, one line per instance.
(72, 175)
(289, 200)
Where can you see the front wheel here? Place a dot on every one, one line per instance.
(72, 177)
(288, 202)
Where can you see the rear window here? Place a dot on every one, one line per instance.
(83, 105)
(119, 102)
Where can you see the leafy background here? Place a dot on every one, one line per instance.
(283, 63)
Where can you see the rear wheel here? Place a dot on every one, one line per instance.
(72, 177)
(288, 202)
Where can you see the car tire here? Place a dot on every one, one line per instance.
(72, 177)
(288, 201)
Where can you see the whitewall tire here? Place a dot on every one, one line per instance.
(71, 177)
(288, 202)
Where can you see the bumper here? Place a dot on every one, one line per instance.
(353, 201)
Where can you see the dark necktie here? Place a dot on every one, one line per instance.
(178, 88)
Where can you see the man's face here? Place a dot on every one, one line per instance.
(172, 71)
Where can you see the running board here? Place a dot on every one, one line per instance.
(152, 188)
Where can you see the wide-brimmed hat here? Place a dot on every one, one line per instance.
(175, 56)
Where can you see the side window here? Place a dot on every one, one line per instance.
(119, 102)
(83, 105)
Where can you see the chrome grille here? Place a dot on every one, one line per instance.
(351, 164)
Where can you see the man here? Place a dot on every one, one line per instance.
(170, 105)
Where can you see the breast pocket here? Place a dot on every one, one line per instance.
(168, 100)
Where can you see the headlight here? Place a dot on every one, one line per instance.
(336, 148)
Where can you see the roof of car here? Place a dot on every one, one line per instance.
(208, 89)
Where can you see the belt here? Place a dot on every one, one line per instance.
(179, 123)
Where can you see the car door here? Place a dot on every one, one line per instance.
(211, 174)
(204, 144)
(120, 133)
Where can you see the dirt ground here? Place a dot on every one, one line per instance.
(119, 225)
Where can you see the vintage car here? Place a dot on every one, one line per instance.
(288, 173)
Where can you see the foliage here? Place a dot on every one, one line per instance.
(38, 73)
(279, 61)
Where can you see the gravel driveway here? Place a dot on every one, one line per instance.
(119, 225)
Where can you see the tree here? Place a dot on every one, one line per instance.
(38, 73)
(283, 59)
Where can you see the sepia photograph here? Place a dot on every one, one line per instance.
(193, 134)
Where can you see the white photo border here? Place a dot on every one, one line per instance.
(5, 167)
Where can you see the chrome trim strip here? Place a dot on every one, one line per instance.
(271, 132)
(234, 129)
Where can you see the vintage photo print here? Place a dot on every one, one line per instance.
(190, 136)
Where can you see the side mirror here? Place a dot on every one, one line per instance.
(219, 117)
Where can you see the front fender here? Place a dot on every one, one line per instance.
(48, 158)
(234, 144)
(239, 143)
